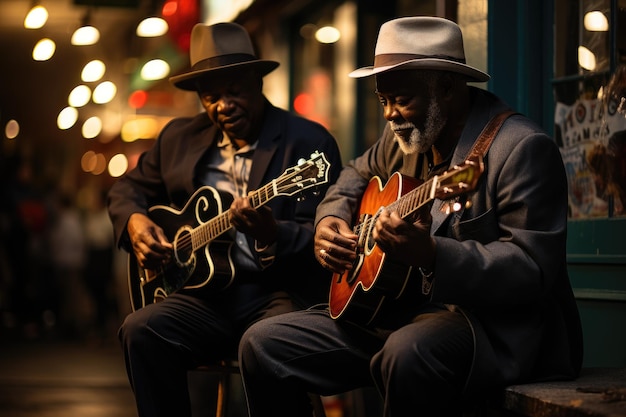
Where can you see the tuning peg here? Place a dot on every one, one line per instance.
(454, 206)
(301, 161)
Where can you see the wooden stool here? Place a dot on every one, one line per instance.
(225, 370)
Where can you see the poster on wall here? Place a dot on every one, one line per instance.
(593, 147)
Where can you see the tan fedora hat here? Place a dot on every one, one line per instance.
(422, 42)
(219, 47)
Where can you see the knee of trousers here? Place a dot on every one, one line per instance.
(395, 358)
(429, 361)
(260, 349)
(135, 333)
(251, 346)
(414, 359)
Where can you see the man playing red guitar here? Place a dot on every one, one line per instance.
(483, 298)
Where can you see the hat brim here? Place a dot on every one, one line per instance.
(187, 81)
(428, 64)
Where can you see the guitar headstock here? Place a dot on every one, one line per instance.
(307, 174)
(458, 180)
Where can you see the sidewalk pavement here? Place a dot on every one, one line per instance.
(58, 378)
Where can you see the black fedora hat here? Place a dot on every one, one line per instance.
(219, 47)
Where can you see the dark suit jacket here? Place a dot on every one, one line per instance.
(166, 175)
(503, 260)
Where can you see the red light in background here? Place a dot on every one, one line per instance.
(169, 8)
(181, 16)
(304, 104)
(138, 99)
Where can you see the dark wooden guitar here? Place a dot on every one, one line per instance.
(201, 253)
(358, 295)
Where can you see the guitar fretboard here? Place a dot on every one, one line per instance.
(219, 224)
(413, 200)
(407, 204)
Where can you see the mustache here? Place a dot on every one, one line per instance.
(395, 126)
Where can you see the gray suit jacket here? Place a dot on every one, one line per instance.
(502, 261)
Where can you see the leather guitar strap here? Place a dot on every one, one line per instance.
(482, 144)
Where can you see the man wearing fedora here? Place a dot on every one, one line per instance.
(240, 143)
(482, 297)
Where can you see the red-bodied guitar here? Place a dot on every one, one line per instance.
(199, 257)
(358, 295)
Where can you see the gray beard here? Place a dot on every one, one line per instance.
(421, 141)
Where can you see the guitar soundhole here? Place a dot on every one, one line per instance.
(363, 232)
(183, 248)
(369, 238)
(356, 270)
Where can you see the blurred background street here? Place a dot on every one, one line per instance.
(53, 378)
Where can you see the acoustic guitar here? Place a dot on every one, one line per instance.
(201, 254)
(358, 295)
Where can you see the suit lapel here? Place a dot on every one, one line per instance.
(268, 143)
(478, 118)
(202, 140)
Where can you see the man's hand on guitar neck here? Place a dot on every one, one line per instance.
(152, 249)
(335, 244)
(408, 243)
(257, 223)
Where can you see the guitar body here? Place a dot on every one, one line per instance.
(358, 295)
(210, 265)
(202, 249)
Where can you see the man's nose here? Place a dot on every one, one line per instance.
(390, 113)
(225, 103)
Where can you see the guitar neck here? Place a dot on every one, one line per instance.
(415, 199)
(220, 224)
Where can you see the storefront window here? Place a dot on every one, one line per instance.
(590, 93)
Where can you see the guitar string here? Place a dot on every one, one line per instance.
(407, 201)
(185, 242)
(214, 224)
(410, 196)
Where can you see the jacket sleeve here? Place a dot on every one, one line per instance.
(295, 214)
(136, 191)
(510, 244)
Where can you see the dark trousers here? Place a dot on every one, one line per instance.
(162, 341)
(419, 369)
